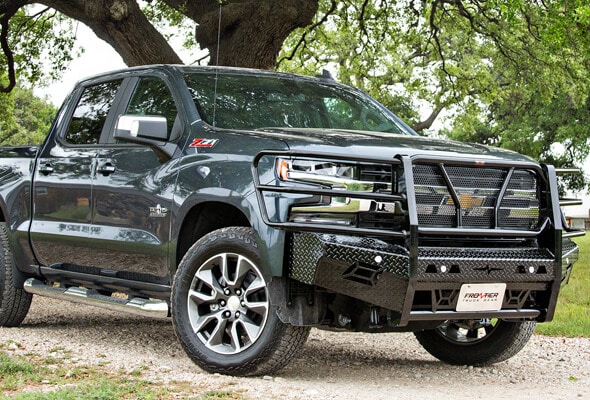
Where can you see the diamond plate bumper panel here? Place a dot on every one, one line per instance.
(437, 264)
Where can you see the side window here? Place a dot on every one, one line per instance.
(91, 113)
(153, 97)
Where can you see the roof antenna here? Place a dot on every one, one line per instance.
(216, 66)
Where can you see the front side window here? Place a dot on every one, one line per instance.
(255, 102)
(153, 97)
(91, 113)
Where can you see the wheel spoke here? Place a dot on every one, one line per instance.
(255, 286)
(203, 321)
(201, 298)
(206, 276)
(243, 268)
(224, 269)
(236, 342)
(252, 329)
(216, 337)
(259, 307)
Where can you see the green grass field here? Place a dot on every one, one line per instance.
(572, 318)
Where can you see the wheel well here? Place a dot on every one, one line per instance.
(206, 218)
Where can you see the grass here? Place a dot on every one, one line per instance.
(572, 316)
(55, 378)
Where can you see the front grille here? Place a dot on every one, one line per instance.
(488, 197)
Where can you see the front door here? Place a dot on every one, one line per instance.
(132, 197)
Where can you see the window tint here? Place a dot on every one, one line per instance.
(153, 97)
(91, 113)
(252, 102)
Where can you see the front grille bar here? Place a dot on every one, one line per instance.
(501, 196)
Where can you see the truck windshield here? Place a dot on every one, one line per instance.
(248, 102)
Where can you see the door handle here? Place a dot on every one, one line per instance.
(106, 169)
(46, 169)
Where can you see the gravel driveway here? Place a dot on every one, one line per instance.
(331, 365)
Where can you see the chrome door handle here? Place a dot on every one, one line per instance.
(46, 169)
(106, 169)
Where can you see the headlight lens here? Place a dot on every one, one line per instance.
(335, 175)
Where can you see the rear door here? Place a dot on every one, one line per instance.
(62, 217)
(133, 189)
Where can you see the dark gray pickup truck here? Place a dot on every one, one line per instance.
(249, 206)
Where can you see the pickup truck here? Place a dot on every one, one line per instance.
(249, 206)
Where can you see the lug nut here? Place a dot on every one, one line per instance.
(227, 314)
(226, 292)
(238, 292)
(222, 303)
(237, 314)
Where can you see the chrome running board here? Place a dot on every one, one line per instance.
(135, 305)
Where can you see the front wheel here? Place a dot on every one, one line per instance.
(476, 342)
(222, 312)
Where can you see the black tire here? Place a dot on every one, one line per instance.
(14, 302)
(223, 317)
(476, 343)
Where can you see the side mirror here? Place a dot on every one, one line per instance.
(138, 128)
(148, 130)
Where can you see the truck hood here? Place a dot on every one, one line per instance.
(384, 145)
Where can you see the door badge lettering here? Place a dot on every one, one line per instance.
(158, 211)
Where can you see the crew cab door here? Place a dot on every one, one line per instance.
(133, 189)
(62, 188)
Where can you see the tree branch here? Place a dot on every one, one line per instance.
(427, 123)
(303, 38)
(7, 11)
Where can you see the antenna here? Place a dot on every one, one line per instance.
(216, 67)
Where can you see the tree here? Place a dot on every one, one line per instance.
(24, 118)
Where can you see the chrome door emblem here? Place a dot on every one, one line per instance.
(158, 211)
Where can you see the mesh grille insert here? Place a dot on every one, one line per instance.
(477, 190)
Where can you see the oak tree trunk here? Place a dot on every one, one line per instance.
(122, 24)
(252, 31)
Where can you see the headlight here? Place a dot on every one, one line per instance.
(343, 205)
(338, 176)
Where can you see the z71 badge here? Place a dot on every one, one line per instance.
(207, 143)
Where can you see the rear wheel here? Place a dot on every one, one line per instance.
(222, 312)
(14, 302)
(476, 342)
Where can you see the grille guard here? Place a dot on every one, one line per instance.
(550, 226)
(545, 173)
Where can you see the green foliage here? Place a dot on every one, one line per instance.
(572, 316)
(43, 43)
(24, 118)
(513, 73)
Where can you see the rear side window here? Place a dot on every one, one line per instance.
(91, 113)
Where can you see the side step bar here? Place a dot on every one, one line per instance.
(135, 305)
